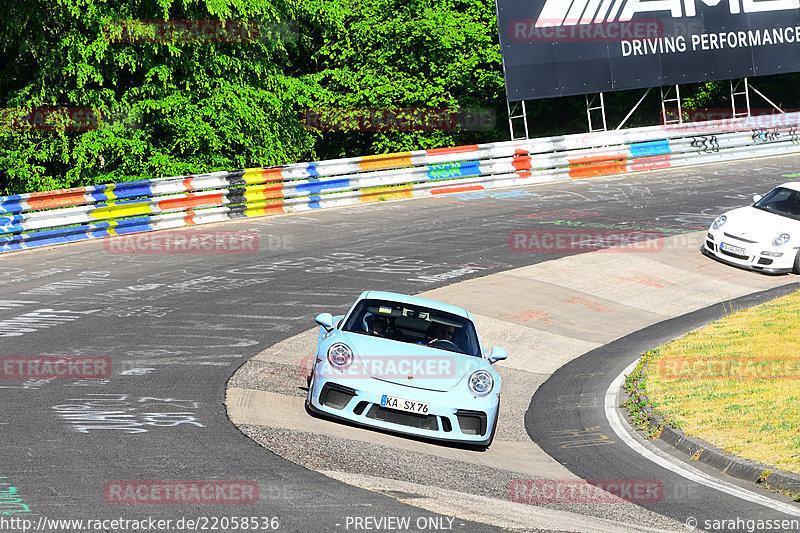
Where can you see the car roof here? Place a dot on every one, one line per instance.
(415, 300)
(791, 185)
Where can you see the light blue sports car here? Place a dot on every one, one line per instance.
(408, 365)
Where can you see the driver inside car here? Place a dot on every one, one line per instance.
(377, 325)
(439, 331)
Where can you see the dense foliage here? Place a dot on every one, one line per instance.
(87, 96)
(170, 106)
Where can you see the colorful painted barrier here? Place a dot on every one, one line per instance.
(54, 217)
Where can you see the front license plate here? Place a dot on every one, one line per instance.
(732, 249)
(402, 404)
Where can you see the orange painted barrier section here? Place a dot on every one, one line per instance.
(455, 150)
(48, 200)
(597, 165)
(192, 200)
(457, 188)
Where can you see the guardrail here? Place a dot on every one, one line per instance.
(68, 215)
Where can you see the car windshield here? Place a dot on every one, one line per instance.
(781, 201)
(415, 325)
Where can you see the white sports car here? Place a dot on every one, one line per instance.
(764, 236)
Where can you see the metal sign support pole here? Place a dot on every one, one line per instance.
(590, 106)
(517, 107)
(632, 111)
(677, 100)
(743, 92)
(746, 93)
(770, 102)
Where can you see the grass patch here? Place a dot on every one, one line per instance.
(735, 383)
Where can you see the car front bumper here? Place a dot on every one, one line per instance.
(751, 259)
(359, 401)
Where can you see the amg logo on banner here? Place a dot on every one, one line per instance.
(573, 12)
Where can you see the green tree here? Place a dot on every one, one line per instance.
(172, 106)
(439, 54)
(165, 106)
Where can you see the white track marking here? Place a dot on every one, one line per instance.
(665, 460)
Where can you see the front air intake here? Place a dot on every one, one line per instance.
(336, 396)
(471, 422)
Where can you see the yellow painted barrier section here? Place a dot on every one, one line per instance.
(262, 192)
(122, 210)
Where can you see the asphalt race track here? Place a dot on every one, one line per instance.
(177, 326)
(580, 399)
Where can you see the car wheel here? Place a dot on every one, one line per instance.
(796, 268)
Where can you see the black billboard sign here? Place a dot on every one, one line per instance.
(567, 47)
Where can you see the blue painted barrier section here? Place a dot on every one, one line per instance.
(650, 149)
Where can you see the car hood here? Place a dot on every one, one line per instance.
(411, 365)
(758, 225)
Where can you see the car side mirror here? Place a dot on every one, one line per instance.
(757, 198)
(325, 320)
(498, 354)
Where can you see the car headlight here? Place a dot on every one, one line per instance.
(781, 239)
(340, 356)
(481, 383)
(719, 222)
